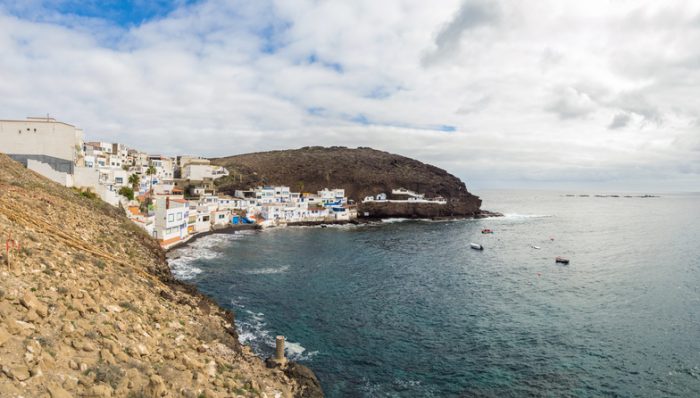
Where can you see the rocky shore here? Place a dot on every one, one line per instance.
(89, 308)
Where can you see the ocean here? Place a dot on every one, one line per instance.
(407, 309)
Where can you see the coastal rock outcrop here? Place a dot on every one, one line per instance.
(88, 308)
(361, 172)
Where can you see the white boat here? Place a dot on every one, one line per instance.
(476, 246)
(536, 247)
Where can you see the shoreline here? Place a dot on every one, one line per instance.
(232, 229)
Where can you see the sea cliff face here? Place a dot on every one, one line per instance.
(417, 210)
(361, 172)
(88, 308)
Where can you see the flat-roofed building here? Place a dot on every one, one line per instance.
(45, 145)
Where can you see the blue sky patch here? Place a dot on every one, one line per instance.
(272, 36)
(125, 13)
(360, 119)
(382, 92)
(447, 128)
(316, 111)
(335, 66)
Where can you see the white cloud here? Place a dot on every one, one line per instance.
(532, 89)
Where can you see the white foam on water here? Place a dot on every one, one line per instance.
(268, 270)
(184, 271)
(181, 260)
(393, 220)
(522, 216)
(253, 332)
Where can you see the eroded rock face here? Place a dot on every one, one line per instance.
(88, 308)
(362, 172)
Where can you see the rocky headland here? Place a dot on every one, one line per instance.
(360, 171)
(89, 308)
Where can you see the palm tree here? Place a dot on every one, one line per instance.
(135, 180)
(151, 171)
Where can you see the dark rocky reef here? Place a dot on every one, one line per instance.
(362, 172)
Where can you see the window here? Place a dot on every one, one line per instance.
(171, 217)
(179, 216)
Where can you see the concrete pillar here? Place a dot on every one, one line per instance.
(279, 350)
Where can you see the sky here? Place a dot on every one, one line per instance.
(574, 95)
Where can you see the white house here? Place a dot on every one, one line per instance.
(407, 192)
(269, 194)
(171, 219)
(198, 172)
(220, 217)
(203, 223)
(332, 196)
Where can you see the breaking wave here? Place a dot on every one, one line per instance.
(393, 220)
(252, 331)
(182, 260)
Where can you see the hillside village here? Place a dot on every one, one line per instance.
(172, 198)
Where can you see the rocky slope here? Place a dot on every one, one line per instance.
(88, 308)
(362, 172)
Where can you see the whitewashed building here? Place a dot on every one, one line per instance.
(199, 172)
(171, 220)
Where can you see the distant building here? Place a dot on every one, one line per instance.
(199, 172)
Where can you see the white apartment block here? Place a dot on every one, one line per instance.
(171, 220)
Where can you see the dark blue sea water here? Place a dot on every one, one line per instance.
(408, 309)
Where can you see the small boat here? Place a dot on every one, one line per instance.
(476, 246)
(324, 226)
(536, 247)
(486, 231)
(561, 260)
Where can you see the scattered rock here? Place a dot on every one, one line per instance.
(58, 392)
(156, 387)
(4, 336)
(32, 303)
(309, 386)
(100, 391)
